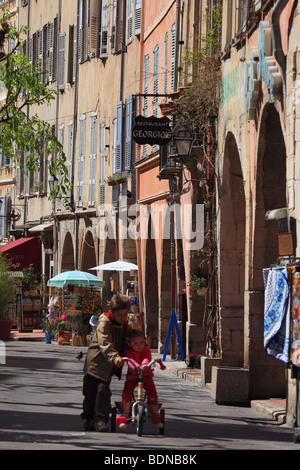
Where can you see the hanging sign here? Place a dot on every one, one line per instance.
(285, 244)
(151, 130)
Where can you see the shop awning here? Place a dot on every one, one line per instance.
(21, 253)
(40, 227)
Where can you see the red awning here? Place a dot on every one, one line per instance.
(21, 253)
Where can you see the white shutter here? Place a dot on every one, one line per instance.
(61, 61)
(93, 155)
(61, 138)
(129, 21)
(3, 219)
(26, 177)
(173, 44)
(128, 138)
(104, 33)
(70, 153)
(51, 50)
(80, 32)
(137, 17)
(80, 174)
(114, 144)
(114, 27)
(93, 28)
(102, 169)
(74, 52)
(41, 54)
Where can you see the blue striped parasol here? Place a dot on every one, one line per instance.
(78, 278)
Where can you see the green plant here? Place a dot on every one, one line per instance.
(116, 177)
(6, 290)
(197, 282)
(201, 72)
(30, 278)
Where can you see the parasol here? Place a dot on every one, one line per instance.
(116, 266)
(80, 278)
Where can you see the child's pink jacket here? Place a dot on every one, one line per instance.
(140, 358)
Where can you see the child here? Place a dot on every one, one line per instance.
(140, 355)
(94, 320)
(103, 360)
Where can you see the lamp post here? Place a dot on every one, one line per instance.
(183, 141)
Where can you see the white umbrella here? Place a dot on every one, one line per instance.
(116, 266)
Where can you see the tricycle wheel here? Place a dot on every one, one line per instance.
(113, 419)
(140, 420)
(162, 417)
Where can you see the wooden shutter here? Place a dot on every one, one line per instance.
(93, 155)
(114, 27)
(80, 174)
(94, 28)
(155, 80)
(75, 52)
(80, 33)
(128, 138)
(137, 17)
(70, 153)
(102, 168)
(52, 30)
(61, 61)
(119, 153)
(3, 219)
(173, 59)
(104, 33)
(61, 138)
(86, 17)
(129, 21)
(166, 67)
(40, 47)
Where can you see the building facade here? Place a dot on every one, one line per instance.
(258, 168)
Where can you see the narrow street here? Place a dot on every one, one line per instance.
(41, 399)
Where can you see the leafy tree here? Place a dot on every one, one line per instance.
(20, 133)
(201, 71)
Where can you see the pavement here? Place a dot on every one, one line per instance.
(274, 408)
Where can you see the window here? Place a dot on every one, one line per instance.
(137, 17)
(72, 59)
(81, 153)
(128, 136)
(104, 32)
(102, 168)
(173, 46)
(155, 80)
(61, 61)
(93, 159)
(129, 21)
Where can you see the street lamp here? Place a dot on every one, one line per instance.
(52, 181)
(184, 141)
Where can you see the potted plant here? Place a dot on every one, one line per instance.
(198, 284)
(6, 293)
(114, 179)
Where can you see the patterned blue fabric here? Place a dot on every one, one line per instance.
(277, 313)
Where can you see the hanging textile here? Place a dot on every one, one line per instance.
(277, 313)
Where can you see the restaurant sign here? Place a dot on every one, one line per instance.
(151, 130)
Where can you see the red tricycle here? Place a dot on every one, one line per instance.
(139, 409)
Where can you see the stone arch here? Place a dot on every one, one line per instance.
(232, 255)
(151, 303)
(270, 191)
(68, 258)
(88, 253)
(267, 375)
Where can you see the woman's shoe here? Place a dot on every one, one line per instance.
(101, 426)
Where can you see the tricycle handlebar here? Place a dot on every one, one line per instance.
(159, 361)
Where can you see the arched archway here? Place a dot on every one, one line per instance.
(151, 290)
(88, 255)
(232, 256)
(67, 262)
(267, 375)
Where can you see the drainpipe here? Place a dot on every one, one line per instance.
(276, 38)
